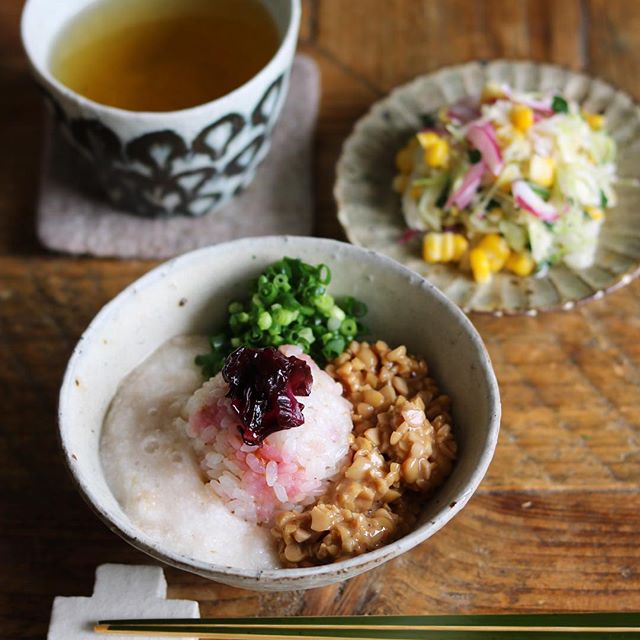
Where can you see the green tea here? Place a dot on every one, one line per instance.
(163, 55)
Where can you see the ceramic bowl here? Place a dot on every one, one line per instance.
(371, 215)
(190, 295)
(187, 162)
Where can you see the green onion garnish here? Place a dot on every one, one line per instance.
(560, 105)
(604, 201)
(543, 192)
(428, 120)
(444, 194)
(288, 304)
(474, 156)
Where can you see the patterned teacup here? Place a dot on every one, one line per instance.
(186, 162)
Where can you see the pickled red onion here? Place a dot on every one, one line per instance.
(463, 111)
(527, 199)
(463, 195)
(483, 137)
(541, 106)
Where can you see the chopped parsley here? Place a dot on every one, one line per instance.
(428, 120)
(559, 104)
(604, 201)
(543, 192)
(444, 194)
(474, 156)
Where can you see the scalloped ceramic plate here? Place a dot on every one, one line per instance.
(371, 215)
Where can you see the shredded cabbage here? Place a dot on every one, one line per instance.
(562, 154)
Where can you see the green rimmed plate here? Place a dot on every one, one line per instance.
(371, 215)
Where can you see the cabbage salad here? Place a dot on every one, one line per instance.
(516, 181)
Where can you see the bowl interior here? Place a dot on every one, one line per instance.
(190, 295)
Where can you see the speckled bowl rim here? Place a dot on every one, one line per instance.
(622, 280)
(331, 572)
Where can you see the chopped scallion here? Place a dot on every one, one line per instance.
(604, 201)
(559, 104)
(288, 304)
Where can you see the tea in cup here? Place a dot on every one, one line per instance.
(171, 101)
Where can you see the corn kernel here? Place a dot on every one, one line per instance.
(416, 191)
(542, 170)
(443, 115)
(595, 213)
(443, 247)
(491, 91)
(594, 120)
(404, 160)
(427, 138)
(521, 264)
(400, 183)
(480, 265)
(437, 154)
(508, 175)
(447, 246)
(460, 246)
(496, 250)
(521, 117)
(506, 136)
(431, 248)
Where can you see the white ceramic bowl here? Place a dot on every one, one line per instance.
(190, 295)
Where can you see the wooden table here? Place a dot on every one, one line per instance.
(556, 523)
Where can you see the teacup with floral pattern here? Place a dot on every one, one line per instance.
(186, 162)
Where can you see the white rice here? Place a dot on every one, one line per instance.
(291, 468)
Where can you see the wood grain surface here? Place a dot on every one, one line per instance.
(555, 525)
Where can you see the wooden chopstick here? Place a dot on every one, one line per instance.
(590, 626)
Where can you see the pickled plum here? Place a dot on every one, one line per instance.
(263, 384)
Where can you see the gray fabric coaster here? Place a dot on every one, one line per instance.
(72, 217)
